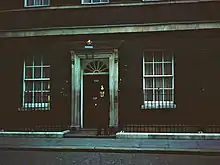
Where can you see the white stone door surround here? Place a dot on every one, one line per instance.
(77, 85)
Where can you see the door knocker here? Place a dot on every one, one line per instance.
(102, 92)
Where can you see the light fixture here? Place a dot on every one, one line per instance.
(88, 44)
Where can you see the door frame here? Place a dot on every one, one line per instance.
(77, 85)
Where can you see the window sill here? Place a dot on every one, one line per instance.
(156, 105)
(35, 106)
(34, 109)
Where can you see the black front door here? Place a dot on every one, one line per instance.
(96, 100)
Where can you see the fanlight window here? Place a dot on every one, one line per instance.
(96, 67)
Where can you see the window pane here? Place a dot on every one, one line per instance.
(46, 2)
(148, 95)
(38, 97)
(37, 60)
(159, 95)
(46, 97)
(46, 72)
(148, 56)
(95, 1)
(158, 69)
(149, 83)
(28, 97)
(45, 60)
(28, 61)
(46, 85)
(158, 56)
(30, 2)
(104, 0)
(87, 1)
(28, 86)
(159, 83)
(168, 82)
(37, 72)
(168, 69)
(167, 95)
(168, 56)
(41, 2)
(148, 69)
(37, 85)
(37, 2)
(28, 72)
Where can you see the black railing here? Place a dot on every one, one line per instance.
(158, 100)
(38, 128)
(172, 128)
(36, 100)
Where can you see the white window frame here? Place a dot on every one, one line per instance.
(33, 105)
(158, 104)
(83, 2)
(35, 5)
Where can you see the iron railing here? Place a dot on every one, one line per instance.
(38, 128)
(174, 128)
(36, 100)
(159, 100)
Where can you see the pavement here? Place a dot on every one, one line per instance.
(155, 146)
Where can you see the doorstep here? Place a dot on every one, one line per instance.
(73, 135)
(35, 134)
(171, 136)
(87, 133)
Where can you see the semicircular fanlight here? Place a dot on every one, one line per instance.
(96, 67)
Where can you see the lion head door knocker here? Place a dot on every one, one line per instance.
(102, 91)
